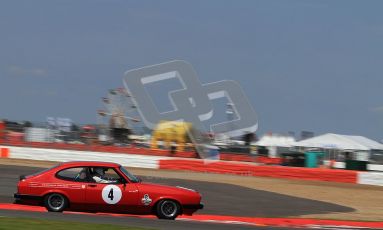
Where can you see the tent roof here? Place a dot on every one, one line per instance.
(367, 142)
(276, 140)
(338, 141)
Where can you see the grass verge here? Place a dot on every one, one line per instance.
(29, 223)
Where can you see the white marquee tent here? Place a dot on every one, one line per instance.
(341, 142)
(274, 143)
(276, 140)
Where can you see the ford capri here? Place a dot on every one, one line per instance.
(103, 187)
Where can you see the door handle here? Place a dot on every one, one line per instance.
(92, 185)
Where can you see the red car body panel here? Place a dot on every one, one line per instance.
(135, 197)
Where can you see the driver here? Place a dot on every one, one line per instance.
(99, 176)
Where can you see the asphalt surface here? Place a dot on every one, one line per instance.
(219, 199)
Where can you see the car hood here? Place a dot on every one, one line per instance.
(165, 188)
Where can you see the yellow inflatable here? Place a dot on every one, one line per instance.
(168, 133)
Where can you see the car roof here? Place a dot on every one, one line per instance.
(88, 164)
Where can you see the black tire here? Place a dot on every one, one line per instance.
(168, 209)
(55, 202)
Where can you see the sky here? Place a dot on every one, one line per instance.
(304, 65)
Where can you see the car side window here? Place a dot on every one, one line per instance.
(105, 175)
(73, 174)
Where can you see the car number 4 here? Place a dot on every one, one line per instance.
(111, 194)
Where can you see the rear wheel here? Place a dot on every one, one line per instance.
(55, 202)
(167, 209)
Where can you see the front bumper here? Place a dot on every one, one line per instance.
(193, 206)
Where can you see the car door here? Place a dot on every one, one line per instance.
(114, 196)
(71, 183)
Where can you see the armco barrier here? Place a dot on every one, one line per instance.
(158, 162)
(4, 152)
(129, 160)
(265, 171)
(98, 148)
(371, 178)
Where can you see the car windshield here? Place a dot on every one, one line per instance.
(131, 177)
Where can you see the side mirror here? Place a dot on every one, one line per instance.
(123, 181)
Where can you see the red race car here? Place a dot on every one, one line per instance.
(104, 187)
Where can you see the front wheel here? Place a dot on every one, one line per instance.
(55, 202)
(167, 209)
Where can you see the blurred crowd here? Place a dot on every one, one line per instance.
(14, 131)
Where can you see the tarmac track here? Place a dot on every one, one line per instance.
(219, 199)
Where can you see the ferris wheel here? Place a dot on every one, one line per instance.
(119, 111)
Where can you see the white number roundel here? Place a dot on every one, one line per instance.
(111, 194)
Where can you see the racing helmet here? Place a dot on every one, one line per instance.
(99, 171)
